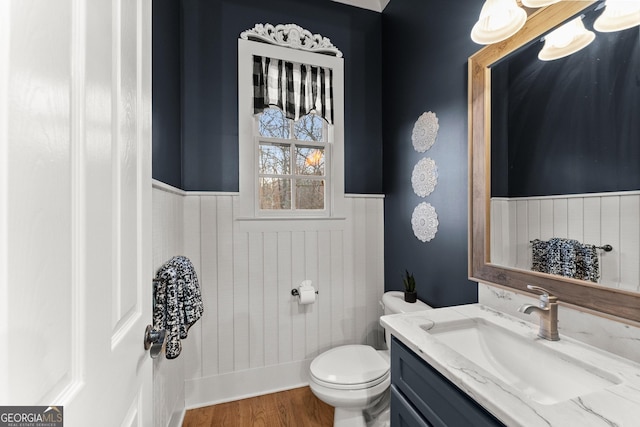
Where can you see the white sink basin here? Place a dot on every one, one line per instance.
(539, 372)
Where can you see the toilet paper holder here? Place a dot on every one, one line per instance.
(295, 292)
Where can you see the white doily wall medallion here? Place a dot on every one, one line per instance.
(424, 177)
(425, 131)
(424, 222)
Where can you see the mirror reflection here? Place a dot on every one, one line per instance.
(565, 159)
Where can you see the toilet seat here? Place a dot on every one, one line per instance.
(350, 367)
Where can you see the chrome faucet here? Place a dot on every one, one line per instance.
(547, 309)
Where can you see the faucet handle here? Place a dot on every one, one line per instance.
(545, 297)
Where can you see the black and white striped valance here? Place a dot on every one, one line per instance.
(297, 89)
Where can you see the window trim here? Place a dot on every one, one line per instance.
(248, 206)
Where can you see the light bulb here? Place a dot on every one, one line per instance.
(499, 20)
(618, 15)
(565, 40)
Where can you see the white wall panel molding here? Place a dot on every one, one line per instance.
(170, 188)
(365, 196)
(169, 231)
(248, 383)
(159, 185)
(571, 196)
(254, 337)
(290, 225)
(596, 218)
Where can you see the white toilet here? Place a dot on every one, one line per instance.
(355, 379)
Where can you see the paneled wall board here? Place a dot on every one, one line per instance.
(240, 319)
(629, 259)
(169, 229)
(374, 271)
(284, 307)
(359, 271)
(224, 305)
(599, 219)
(254, 337)
(192, 351)
(209, 286)
(325, 301)
(255, 299)
(338, 288)
(270, 288)
(311, 273)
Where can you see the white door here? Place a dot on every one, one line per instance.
(75, 208)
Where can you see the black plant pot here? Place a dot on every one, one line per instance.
(410, 296)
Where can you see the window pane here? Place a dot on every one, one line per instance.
(309, 128)
(272, 123)
(310, 161)
(275, 159)
(275, 193)
(310, 194)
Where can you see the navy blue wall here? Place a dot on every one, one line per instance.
(426, 45)
(210, 30)
(573, 123)
(167, 157)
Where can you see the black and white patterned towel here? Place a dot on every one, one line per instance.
(565, 257)
(178, 302)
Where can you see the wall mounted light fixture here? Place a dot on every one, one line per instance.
(499, 20)
(565, 40)
(618, 15)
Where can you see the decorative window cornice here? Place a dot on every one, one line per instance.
(293, 36)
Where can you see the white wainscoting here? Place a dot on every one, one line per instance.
(599, 219)
(168, 240)
(254, 337)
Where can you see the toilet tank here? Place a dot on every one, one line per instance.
(393, 303)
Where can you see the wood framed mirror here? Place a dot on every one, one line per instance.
(592, 297)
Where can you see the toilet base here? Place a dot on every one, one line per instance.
(344, 417)
(379, 415)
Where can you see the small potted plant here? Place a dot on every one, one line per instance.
(410, 294)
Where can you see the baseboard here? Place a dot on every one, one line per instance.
(177, 418)
(240, 385)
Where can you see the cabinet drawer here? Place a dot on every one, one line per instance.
(440, 402)
(402, 413)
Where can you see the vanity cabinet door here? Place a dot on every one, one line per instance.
(440, 402)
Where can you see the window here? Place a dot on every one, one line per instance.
(292, 162)
(291, 150)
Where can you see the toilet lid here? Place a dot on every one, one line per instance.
(350, 365)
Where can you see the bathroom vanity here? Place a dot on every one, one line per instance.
(421, 396)
(473, 365)
(497, 360)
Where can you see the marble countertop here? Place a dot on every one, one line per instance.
(615, 405)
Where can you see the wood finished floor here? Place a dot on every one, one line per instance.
(294, 408)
